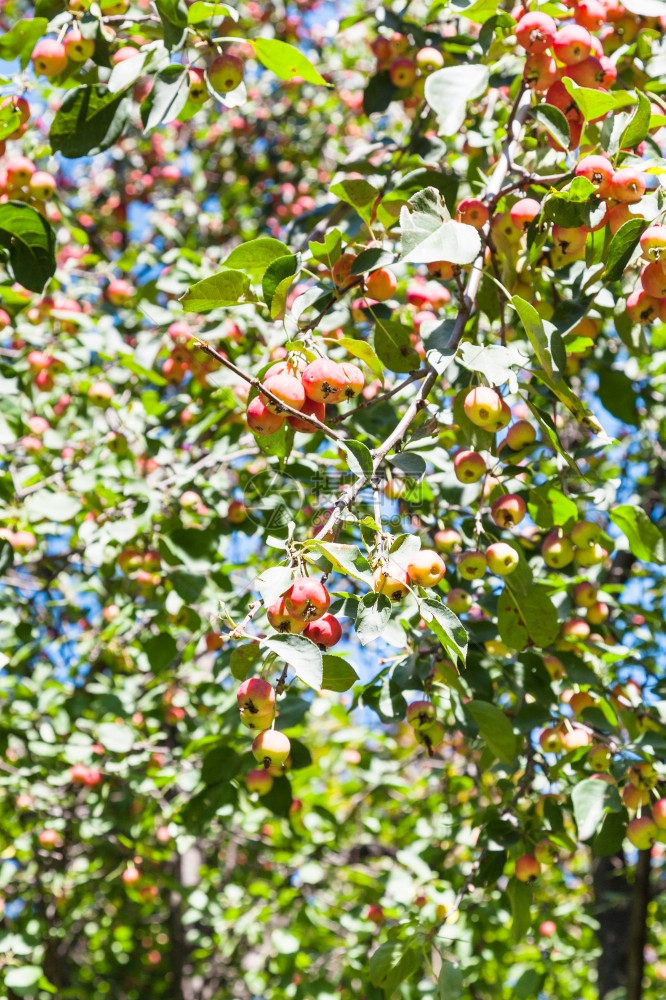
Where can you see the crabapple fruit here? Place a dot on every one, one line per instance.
(572, 44)
(421, 713)
(426, 568)
(391, 581)
(469, 466)
(502, 558)
(282, 621)
(259, 780)
(355, 380)
(447, 540)
(325, 632)
(527, 868)
(507, 511)
(482, 406)
(324, 381)
(225, 73)
(287, 389)
(585, 594)
(550, 740)
(307, 599)
(77, 47)
(557, 550)
(473, 212)
(381, 284)
(472, 564)
(520, 435)
(49, 57)
(459, 601)
(642, 832)
(535, 32)
(261, 420)
(271, 748)
(310, 409)
(430, 735)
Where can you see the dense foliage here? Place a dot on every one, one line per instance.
(332, 363)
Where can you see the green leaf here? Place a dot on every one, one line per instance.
(447, 627)
(359, 349)
(329, 251)
(243, 659)
(359, 194)
(161, 650)
(448, 91)
(554, 122)
(6, 555)
(220, 764)
(520, 898)
(591, 799)
(595, 103)
(479, 11)
(610, 835)
(30, 241)
(343, 559)
(10, 119)
(645, 539)
(20, 40)
(544, 338)
(173, 15)
(115, 738)
(496, 730)
(528, 619)
(371, 260)
(277, 281)
(616, 392)
(128, 71)
(285, 60)
(202, 10)
(450, 979)
(378, 93)
(303, 656)
(47, 506)
(88, 121)
(496, 363)
(255, 256)
(226, 288)
(359, 458)
(372, 616)
(393, 345)
(273, 582)
(639, 124)
(391, 964)
(622, 247)
(409, 463)
(167, 97)
(338, 674)
(424, 239)
(22, 978)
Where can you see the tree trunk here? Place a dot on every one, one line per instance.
(621, 909)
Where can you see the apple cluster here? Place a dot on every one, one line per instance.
(428, 730)
(256, 703)
(407, 67)
(306, 388)
(302, 610)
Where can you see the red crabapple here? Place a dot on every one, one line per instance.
(341, 271)
(642, 832)
(287, 389)
(261, 420)
(527, 868)
(540, 71)
(599, 171)
(459, 601)
(381, 284)
(259, 780)
(641, 307)
(325, 632)
(421, 713)
(591, 14)
(521, 435)
(523, 212)
(585, 594)
(429, 59)
(310, 409)
(550, 740)
(507, 511)
(473, 212)
(402, 73)
(572, 44)
(19, 170)
(49, 57)
(355, 380)
(535, 32)
(584, 533)
(659, 813)
(446, 540)
(307, 599)
(282, 621)
(653, 242)
(77, 47)
(627, 185)
(42, 185)
(324, 381)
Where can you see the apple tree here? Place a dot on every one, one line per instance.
(332, 463)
